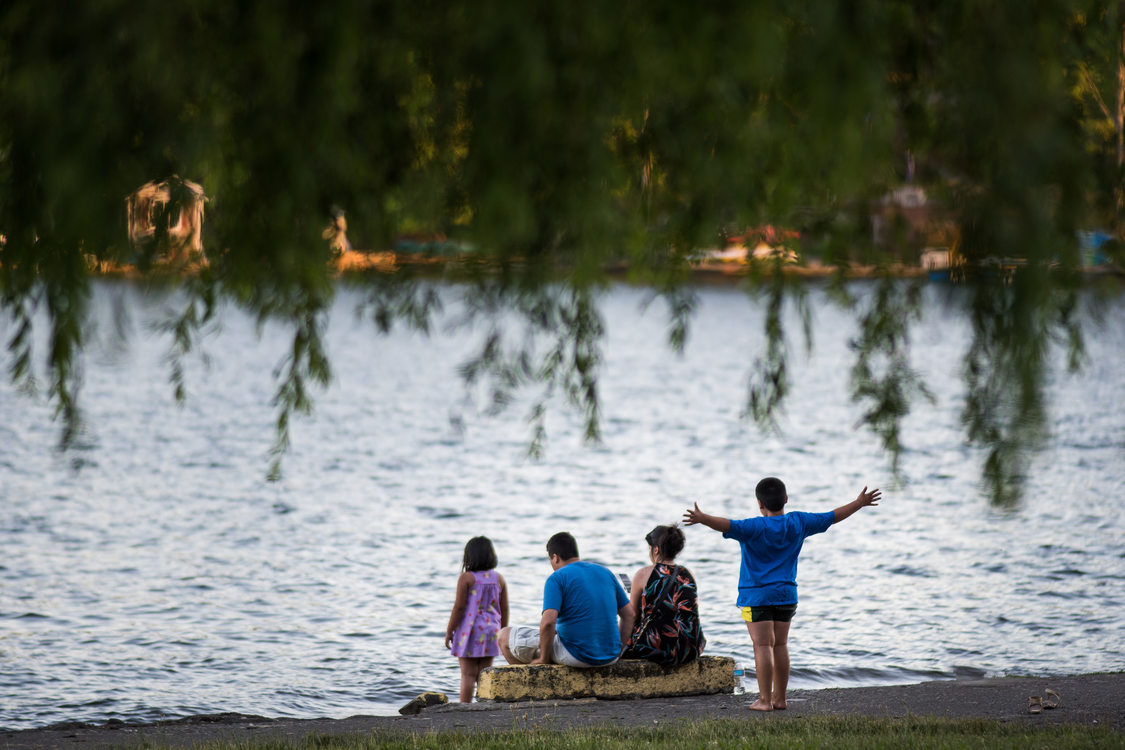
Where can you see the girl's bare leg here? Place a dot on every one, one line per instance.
(470, 674)
(468, 678)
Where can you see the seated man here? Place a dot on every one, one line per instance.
(579, 627)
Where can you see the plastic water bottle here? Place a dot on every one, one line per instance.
(739, 673)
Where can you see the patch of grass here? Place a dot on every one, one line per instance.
(860, 733)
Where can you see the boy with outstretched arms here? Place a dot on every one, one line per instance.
(767, 583)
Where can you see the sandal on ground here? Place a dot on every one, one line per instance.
(1034, 705)
(1052, 699)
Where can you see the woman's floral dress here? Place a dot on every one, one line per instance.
(667, 630)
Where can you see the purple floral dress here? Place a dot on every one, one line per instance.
(475, 636)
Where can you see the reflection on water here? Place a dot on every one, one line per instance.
(168, 578)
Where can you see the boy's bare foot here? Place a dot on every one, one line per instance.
(780, 705)
(760, 705)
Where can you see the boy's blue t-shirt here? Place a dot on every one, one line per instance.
(770, 546)
(587, 597)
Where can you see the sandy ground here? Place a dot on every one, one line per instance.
(1086, 699)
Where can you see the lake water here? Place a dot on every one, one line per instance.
(165, 577)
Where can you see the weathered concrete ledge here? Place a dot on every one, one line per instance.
(629, 678)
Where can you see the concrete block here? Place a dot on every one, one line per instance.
(629, 678)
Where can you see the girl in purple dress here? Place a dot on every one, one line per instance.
(480, 610)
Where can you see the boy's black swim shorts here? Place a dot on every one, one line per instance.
(775, 612)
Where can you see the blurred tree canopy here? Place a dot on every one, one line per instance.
(558, 140)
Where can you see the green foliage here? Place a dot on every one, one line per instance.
(557, 143)
(769, 380)
(882, 377)
(568, 320)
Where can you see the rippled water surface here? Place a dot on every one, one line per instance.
(155, 573)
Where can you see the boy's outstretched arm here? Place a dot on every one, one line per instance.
(694, 515)
(865, 498)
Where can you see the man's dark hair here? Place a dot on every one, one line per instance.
(668, 539)
(563, 545)
(771, 493)
(479, 554)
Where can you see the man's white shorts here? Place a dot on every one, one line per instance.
(523, 642)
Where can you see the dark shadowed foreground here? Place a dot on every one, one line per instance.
(1086, 700)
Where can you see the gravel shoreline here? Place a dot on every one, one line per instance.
(1097, 699)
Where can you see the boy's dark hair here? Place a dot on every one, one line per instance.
(479, 554)
(771, 493)
(668, 539)
(563, 545)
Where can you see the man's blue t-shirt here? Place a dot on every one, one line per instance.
(587, 597)
(770, 546)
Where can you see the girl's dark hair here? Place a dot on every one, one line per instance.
(668, 539)
(479, 554)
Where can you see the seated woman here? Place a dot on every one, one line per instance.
(663, 599)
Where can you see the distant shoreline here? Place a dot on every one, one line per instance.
(1087, 700)
(353, 263)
